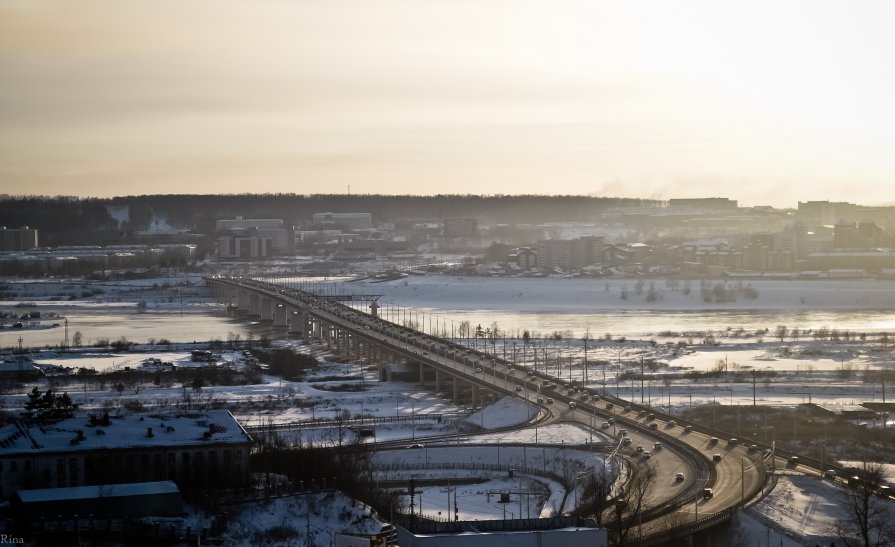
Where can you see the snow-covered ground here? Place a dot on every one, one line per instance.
(807, 508)
(533, 488)
(681, 331)
(287, 520)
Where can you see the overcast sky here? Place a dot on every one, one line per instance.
(765, 102)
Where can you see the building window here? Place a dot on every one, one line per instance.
(72, 471)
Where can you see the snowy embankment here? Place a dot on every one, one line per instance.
(287, 520)
(506, 412)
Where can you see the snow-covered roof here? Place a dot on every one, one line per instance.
(9, 367)
(100, 491)
(123, 432)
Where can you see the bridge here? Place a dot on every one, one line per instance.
(672, 508)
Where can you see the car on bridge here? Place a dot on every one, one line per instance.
(708, 493)
(679, 477)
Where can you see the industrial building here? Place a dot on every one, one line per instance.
(194, 450)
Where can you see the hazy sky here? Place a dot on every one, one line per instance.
(765, 102)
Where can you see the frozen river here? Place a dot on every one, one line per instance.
(135, 326)
(438, 304)
(627, 307)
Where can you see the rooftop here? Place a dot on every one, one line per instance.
(130, 431)
(100, 491)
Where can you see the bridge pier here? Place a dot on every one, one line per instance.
(456, 383)
(422, 375)
(266, 309)
(280, 316)
(438, 375)
(293, 321)
(254, 304)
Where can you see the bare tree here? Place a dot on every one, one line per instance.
(868, 521)
(595, 497)
(781, 332)
(631, 502)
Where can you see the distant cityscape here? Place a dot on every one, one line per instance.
(680, 237)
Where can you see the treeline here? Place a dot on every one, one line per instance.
(62, 220)
(73, 221)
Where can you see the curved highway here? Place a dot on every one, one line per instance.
(733, 472)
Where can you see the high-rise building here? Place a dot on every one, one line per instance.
(570, 253)
(18, 239)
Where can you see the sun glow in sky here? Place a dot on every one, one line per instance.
(767, 102)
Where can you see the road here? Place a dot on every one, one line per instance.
(733, 472)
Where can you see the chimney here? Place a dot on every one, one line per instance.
(149, 432)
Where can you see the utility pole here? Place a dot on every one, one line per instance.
(412, 506)
(641, 379)
(586, 336)
(753, 387)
